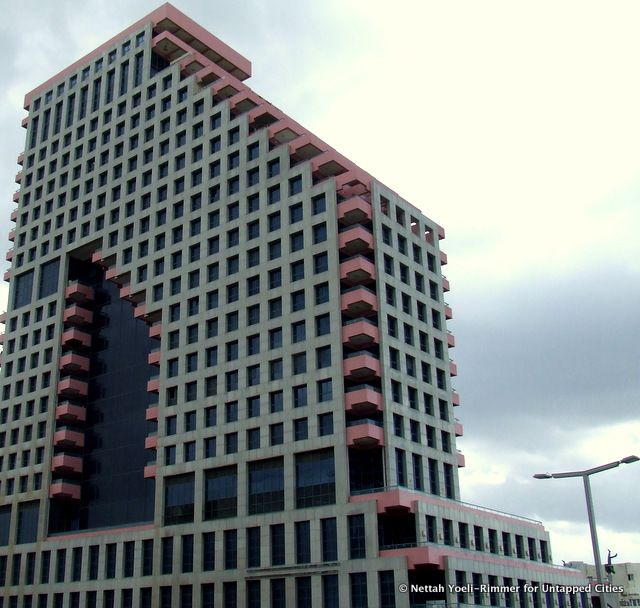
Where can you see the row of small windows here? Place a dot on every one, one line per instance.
(418, 470)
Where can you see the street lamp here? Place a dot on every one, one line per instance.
(592, 520)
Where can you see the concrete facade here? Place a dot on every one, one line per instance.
(287, 436)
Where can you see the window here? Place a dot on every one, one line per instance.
(221, 491)
(265, 480)
(179, 499)
(329, 539)
(303, 542)
(315, 478)
(357, 537)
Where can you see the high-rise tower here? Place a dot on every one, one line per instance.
(226, 375)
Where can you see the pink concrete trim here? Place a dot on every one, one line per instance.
(79, 292)
(443, 258)
(109, 531)
(2, 338)
(453, 368)
(460, 460)
(440, 233)
(307, 141)
(360, 333)
(151, 413)
(266, 108)
(151, 442)
(155, 331)
(364, 399)
(9, 255)
(16, 196)
(67, 412)
(18, 177)
(125, 292)
(73, 387)
(445, 284)
(458, 429)
(65, 463)
(354, 210)
(12, 234)
(355, 175)
(3, 317)
(76, 335)
(64, 490)
(154, 357)
(207, 75)
(361, 366)
(359, 301)
(328, 164)
(365, 436)
(98, 258)
(68, 438)
(451, 340)
(118, 278)
(455, 398)
(20, 160)
(244, 101)
(448, 312)
(237, 62)
(153, 385)
(355, 240)
(25, 121)
(284, 131)
(406, 498)
(150, 471)
(140, 311)
(14, 215)
(226, 87)
(7, 276)
(77, 315)
(357, 270)
(438, 555)
(164, 40)
(73, 362)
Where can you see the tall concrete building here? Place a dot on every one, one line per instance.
(226, 376)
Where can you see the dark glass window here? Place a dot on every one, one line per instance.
(253, 547)
(179, 499)
(277, 544)
(330, 592)
(230, 549)
(208, 551)
(48, 278)
(357, 536)
(167, 555)
(303, 542)
(266, 485)
(221, 493)
(358, 584)
(27, 529)
(315, 478)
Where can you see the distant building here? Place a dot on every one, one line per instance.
(626, 575)
(226, 377)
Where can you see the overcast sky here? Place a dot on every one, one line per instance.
(516, 125)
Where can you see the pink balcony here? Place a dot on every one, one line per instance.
(440, 233)
(3, 317)
(150, 471)
(140, 311)
(12, 235)
(445, 284)
(154, 358)
(453, 368)
(73, 362)
(20, 160)
(451, 340)
(97, 257)
(443, 258)
(363, 400)
(16, 196)
(151, 442)
(65, 490)
(70, 413)
(76, 337)
(118, 278)
(283, 131)
(389, 501)
(25, 122)
(65, 463)
(305, 147)
(361, 367)
(359, 302)
(9, 255)
(151, 413)
(357, 270)
(155, 331)
(327, 164)
(364, 436)
(458, 429)
(360, 333)
(79, 292)
(7, 276)
(77, 315)
(18, 177)
(455, 398)
(67, 438)
(72, 387)
(2, 338)
(357, 239)
(448, 313)
(416, 556)
(153, 385)
(461, 461)
(354, 210)
(14, 215)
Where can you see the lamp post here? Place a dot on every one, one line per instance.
(592, 520)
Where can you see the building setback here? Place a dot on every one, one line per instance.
(226, 376)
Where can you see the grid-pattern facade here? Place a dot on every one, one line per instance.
(226, 374)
